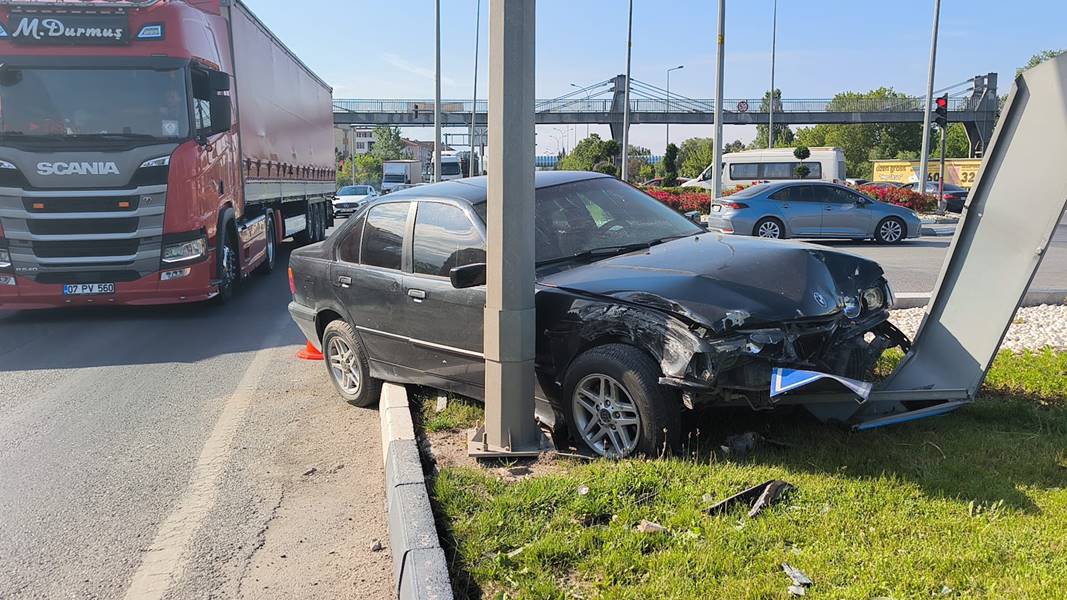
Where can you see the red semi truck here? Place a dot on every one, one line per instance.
(152, 151)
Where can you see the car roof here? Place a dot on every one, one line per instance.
(473, 190)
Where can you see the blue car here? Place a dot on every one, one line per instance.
(811, 209)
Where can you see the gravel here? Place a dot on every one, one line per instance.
(1034, 328)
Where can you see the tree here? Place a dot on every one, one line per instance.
(802, 153)
(387, 143)
(670, 166)
(368, 169)
(734, 146)
(695, 155)
(1039, 58)
(783, 135)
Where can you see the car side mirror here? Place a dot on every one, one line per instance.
(467, 276)
(221, 109)
(694, 216)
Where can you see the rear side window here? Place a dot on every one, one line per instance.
(793, 193)
(744, 171)
(348, 248)
(788, 170)
(383, 235)
(444, 239)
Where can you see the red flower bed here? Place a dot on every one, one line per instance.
(901, 197)
(683, 201)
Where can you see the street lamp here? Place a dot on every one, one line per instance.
(770, 111)
(669, 103)
(626, 97)
(588, 95)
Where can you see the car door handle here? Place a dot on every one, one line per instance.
(418, 295)
(344, 281)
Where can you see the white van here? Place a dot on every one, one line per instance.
(751, 166)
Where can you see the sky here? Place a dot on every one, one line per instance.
(377, 49)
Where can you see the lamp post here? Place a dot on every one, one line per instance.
(437, 99)
(626, 98)
(588, 95)
(472, 170)
(669, 102)
(774, 42)
(929, 100)
(720, 46)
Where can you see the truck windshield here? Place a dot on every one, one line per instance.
(42, 104)
(450, 168)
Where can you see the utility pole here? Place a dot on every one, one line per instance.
(774, 43)
(720, 46)
(626, 99)
(929, 100)
(437, 99)
(474, 97)
(941, 177)
(669, 103)
(587, 96)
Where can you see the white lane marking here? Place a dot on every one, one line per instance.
(162, 563)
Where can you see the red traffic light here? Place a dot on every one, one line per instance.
(942, 102)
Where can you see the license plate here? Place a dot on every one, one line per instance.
(716, 208)
(88, 289)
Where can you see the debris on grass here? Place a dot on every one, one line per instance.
(756, 497)
(801, 582)
(741, 445)
(650, 527)
(583, 491)
(442, 403)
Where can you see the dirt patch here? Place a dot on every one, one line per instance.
(448, 449)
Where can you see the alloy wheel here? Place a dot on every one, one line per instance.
(769, 229)
(890, 231)
(344, 365)
(605, 416)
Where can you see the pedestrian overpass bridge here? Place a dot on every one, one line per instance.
(602, 103)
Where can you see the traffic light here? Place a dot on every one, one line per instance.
(941, 111)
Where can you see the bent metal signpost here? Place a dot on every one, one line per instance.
(67, 29)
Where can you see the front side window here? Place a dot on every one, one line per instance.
(383, 235)
(444, 239)
(41, 104)
(201, 101)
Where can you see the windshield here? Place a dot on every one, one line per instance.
(450, 168)
(585, 216)
(354, 190)
(43, 103)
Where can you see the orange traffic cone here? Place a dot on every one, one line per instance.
(310, 352)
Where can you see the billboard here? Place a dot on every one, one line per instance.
(959, 171)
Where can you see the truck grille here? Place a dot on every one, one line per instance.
(82, 205)
(82, 226)
(83, 249)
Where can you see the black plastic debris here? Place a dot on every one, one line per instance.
(756, 498)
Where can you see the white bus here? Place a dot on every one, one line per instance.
(751, 166)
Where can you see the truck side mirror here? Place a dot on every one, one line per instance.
(221, 109)
(467, 276)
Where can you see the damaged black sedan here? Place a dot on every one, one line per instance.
(641, 314)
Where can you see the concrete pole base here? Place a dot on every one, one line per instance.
(478, 446)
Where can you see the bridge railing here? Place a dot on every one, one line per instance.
(648, 105)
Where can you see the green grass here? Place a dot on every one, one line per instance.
(459, 414)
(972, 505)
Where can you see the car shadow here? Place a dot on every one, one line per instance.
(991, 451)
(72, 338)
(919, 243)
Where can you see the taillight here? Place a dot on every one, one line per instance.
(949, 196)
(736, 205)
(292, 282)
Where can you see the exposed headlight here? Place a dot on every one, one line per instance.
(5, 258)
(873, 298)
(6, 165)
(852, 307)
(162, 161)
(183, 251)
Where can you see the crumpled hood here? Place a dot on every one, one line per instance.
(724, 282)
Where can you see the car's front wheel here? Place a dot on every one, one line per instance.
(891, 230)
(346, 361)
(617, 406)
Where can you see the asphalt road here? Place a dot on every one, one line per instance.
(914, 265)
(183, 452)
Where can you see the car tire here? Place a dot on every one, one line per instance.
(766, 226)
(267, 266)
(229, 263)
(307, 236)
(616, 406)
(346, 362)
(890, 230)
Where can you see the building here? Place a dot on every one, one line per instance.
(353, 140)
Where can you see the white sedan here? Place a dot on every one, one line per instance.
(350, 198)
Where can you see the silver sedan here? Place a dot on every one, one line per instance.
(811, 209)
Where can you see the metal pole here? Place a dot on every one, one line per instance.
(437, 98)
(669, 103)
(626, 99)
(774, 43)
(474, 96)
(929, 100)
(941, 176)
(509, 292)
(720, 46)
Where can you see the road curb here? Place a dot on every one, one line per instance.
(420, 569)
(1035, 297)
(939, 230)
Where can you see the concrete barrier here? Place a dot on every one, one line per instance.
(1034, 297)
(419, 566)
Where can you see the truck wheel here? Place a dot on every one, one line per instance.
(617, 406)
(307, 235)
(229, 263)
(272, 248)
(346, 361)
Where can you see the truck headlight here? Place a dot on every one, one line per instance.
(162, 161)
(183, 251)
(5, 258)
(873, 298)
